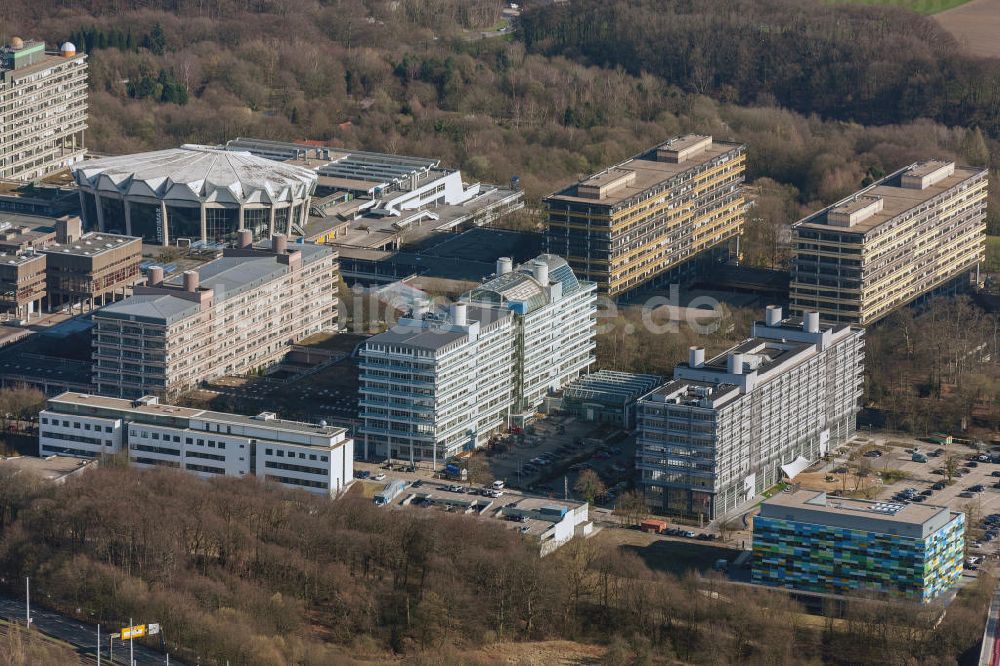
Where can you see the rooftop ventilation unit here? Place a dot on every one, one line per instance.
(603, 184)
(923, 175)
(682, 148)
(852, 212)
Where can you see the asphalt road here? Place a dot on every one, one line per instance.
(81, 635)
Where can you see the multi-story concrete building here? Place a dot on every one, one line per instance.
(89, 269)
(918, 231)
(317, 458)
(44, 100)
(554, 323)
(647, 218)
(438, 384)
(805, 540)
(234, 315)
(726, 429)
(22, 283)
(53, 261)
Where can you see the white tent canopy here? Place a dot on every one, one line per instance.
(794, 468)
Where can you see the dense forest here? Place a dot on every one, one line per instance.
(868, 65)
(417, 77)
(248, 573)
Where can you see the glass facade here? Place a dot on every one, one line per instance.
(281, 220)
(114, 215)
(257, 220)
(838, 560)
(221, 224)
(89, 211)
(185, 222)
(146, 221)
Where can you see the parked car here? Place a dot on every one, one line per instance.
(362, 474)
(972, 463)
(417, 483)
(966, 494)
(689, 534)
(927, 493)
(940, 485)
(919, 498)
(978, 488)
(379, 477)
(873, 453)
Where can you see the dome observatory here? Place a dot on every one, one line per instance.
(194, 193)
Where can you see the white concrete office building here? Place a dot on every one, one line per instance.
(555, 321)
(316, 458)
(726, 429)
(438, 384)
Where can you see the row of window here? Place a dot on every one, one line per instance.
(76, 425)
(296, 468)
(76, 438)
(291, 454)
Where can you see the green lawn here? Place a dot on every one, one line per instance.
(922, 6)
(992, 254)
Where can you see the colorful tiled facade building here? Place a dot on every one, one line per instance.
(805, 540)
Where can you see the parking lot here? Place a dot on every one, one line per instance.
(897, 474)
(549, 455)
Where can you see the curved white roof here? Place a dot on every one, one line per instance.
(195, 174)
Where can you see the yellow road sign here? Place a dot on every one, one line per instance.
(138, 631)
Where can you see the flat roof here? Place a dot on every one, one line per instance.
(649, 172)
(896, 199)
(909, 519)
(691, 391)
(439, 333)
(51, 468)
(227, 276)
(765, 352)
(165, 308)
(92, 244)
(49, 59)
(17, 259)
(174, 411)
(33, 223)
(276, 423)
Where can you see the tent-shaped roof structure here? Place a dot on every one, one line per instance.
(195, 174)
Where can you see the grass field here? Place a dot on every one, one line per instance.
(992, 254)
(922, 6)
(976, 26)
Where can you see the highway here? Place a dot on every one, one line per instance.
(79, 634)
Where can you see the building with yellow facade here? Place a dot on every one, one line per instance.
(649, 218)
(915, 233)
